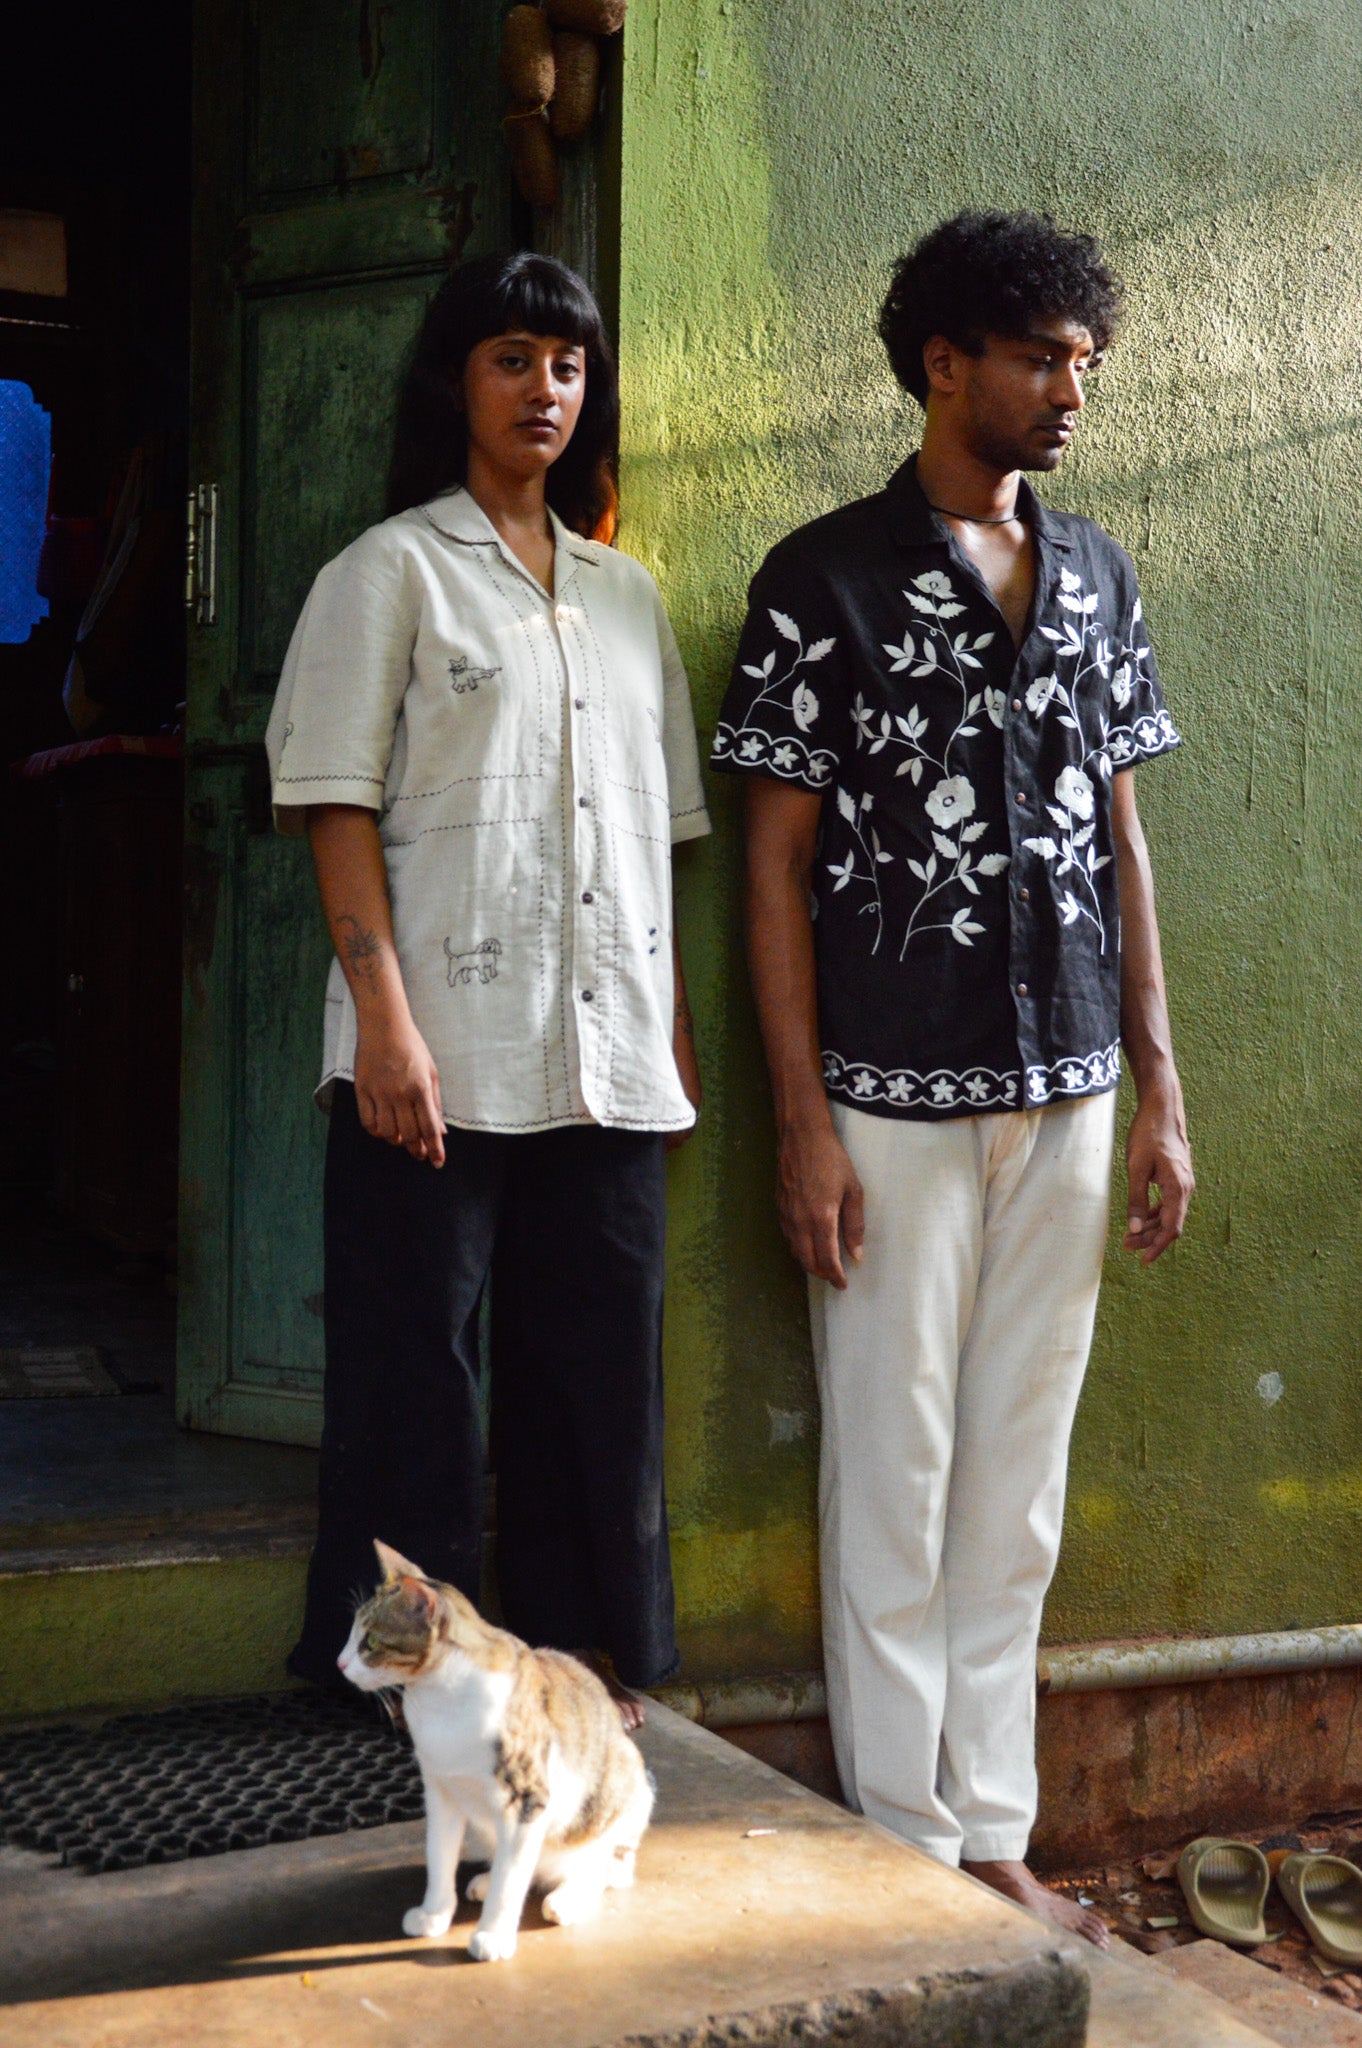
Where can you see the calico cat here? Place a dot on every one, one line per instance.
(521, 1750)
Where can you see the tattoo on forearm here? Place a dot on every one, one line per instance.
(361, 950)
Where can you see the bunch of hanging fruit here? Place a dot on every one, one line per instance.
(551, 66)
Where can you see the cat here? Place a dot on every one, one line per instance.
(522, 1756)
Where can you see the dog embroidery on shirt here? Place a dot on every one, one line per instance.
(464, 676)
(478, 964)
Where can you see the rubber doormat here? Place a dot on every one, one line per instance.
(198, 1780)
(29, 1372)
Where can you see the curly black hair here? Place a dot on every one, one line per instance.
(993, 273)
(496, 295)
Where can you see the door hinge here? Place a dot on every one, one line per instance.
(201, 556)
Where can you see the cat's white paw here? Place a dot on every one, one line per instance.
(418, 1921)
(572, 1903)
(476, 1888)
(485, 1945)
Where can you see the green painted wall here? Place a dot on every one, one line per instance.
(777, 154)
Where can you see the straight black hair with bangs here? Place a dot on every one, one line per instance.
(492, 295)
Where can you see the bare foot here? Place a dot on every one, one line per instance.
(632, 1710)
(1017, 1883)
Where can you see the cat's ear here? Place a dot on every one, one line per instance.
(395, 1566)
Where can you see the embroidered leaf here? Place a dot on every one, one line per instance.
(877, 746)
(958, 642)
(966, 732)
(1060, 817)
(968, 661)
(1072, 723)
(819, 649)
(1065, 864)
(1103, 860)
(915, 768)
(1082, 838)
(994, 863)
(945, 847)
(969, 883)
(907, 767)
(760, 673)
(841, 881)
(1090, 602)
(866, 800)
(984, 640)
(974, 831)
(1050, 633)
(918, 869)
(1092, 859)
(769, 663)
(929, 873)
(1070, 604)
(1068, 580)
(846, 804)
(786, 625)
(949, 611)
(920, 604)
(1046, 848)
(884, 856)
(1137, 614)
(1068, 909)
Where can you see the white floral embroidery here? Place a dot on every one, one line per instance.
(868, 843)
(951, 802)
(1075, 792)
(974, 1089)
(751, 745)
(1074, 852)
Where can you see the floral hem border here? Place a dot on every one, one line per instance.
(778, 755)
(1145, 740)
(975, 1090)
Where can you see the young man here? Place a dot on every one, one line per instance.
(939, 696)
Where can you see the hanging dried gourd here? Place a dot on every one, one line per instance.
(577, 83)
(589, 17)
(533, 158)
(527, 56)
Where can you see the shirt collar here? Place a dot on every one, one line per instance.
(913, 522)
(459, 516)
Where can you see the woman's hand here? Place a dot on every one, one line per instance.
(397, 1088)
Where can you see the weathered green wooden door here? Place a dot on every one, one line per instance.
(346, 152)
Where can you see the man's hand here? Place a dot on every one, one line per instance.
(397, 1089)
(1157, 1153)
(819, 1199)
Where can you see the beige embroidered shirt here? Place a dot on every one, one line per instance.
(532, 760)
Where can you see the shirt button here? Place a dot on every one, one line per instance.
(584, 802)
(1016, 703)
(1021, 798)
(1021, 988)
(579, 703)
(587, 896)
(561, 614)
(586, 995)
(1025, 895)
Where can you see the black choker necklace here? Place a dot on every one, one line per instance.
(970, 519)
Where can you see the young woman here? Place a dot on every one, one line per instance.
(484, 727)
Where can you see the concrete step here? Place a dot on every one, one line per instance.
(824, 1928)
(1281, 2010)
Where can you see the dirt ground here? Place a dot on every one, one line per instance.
(1139, 1900)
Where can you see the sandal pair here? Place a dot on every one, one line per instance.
(1226, 1883)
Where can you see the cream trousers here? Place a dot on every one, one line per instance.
(949, 1371)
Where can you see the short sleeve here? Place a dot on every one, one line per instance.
(780, 711)
(1139, 727)
(685, 791)
(331, 732)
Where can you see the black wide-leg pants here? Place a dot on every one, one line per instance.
(570, 1225)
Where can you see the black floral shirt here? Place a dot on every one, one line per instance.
(967, 925)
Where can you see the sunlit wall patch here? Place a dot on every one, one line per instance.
(25, 471)
(1271, 1387)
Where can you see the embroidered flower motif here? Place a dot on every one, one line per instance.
(994, 701)
(898, 1089)
(951, 802)
(934, 583)
(804, 706)
(1073, 1077)
(819, 768)
(977, 1087)
(1074, 791)
(1040, 693)
(1121, 686)
(1037, 1085)
(750, 750)
(784, 756)
(943, 1090)
(864, 1084)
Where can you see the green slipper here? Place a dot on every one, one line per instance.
(1225, 1885)
(1325, 1894)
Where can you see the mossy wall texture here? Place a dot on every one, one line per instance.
(777, 154)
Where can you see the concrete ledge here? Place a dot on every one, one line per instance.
(762, 1915)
